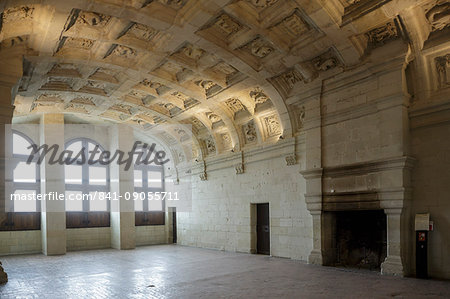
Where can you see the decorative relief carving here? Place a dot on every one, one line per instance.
(142, 32)
(79, 43)
(203, 176)
(293, 25)
(439, 16)
(189, 103)
(126, 109)
(249, 131)
(124, 52)
(262, 3)
(83, 101)
(176, 4)
(208, 86)
(210, 145)
(381, 35)
(213, 117)
(258, 96)
(258, 47)
(17, 14)
(443, 70)
(157, 87)
(11, 42)
(235, 105)
(272, 125)
(239, 168)
(290, 78)
(93, 19)
(291, 160)
(192, 51)
(227, 24)
(325, 61)
(226, 140)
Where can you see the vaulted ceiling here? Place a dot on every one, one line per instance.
(231, 69)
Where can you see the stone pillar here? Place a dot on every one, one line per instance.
(10, 74)
(122, 181)
(313, 174)
(53, 214)
(393, 263)
(313, 198)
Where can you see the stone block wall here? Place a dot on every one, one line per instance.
(221, 215)
(88, 238)
(20, 242)
(151, 235)
(431, 193)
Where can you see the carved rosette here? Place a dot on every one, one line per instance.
(291, 160)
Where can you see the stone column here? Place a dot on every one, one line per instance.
(393, 263)
(10, 74)
(122, 181)
(53, 214)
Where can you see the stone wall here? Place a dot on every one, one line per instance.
(431, 181)
(221, 215)
(151, 235)
(88, 238)
(20, 242)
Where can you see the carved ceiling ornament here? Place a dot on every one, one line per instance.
(235, 105)
(11, 42)
(443, 70)
(294, 25)
(192, 51)
(381, 35)
(93, 19)
(142, 32)
(258, 96)
(176, 4)
(439, 15)
(272, 125)
(76, 108)
(258, 47)
(326, 61)
(17, 14)
(262, 3)
(213, 117)
(124, 52)
(83, 101)
(79, 43)
(227, 24)
(249, 131)
(208, 86)
(291, 78)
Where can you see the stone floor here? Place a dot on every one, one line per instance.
(170, 271)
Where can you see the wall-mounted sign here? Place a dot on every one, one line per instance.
(422, 222)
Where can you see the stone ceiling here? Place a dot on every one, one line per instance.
(231, 69)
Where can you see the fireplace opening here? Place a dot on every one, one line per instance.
(360, 239)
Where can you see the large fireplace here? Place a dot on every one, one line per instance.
(360, 239)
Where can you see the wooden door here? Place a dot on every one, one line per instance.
(262, 229)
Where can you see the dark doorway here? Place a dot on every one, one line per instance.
(262, 229)
(361, 239)
(174, 225)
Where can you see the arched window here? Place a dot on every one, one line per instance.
(149, 185)
(87, 185)
(25, 176)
